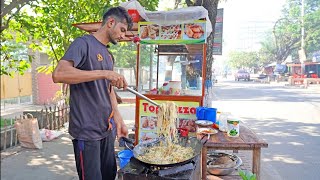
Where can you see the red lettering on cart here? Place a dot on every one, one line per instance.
(181, 109)
(186, 110)
(145, 106)
(193, 110)
(151, 108)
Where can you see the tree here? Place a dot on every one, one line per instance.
(312, 24)
(267, 53)
(286, 38)
(287, 30)
(50, 29)
(125, 55)
(212, 7)
(245, 60)
(14, 58)
(6, 10)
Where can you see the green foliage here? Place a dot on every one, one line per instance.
(312, 24)
(125, 54)
(8, 122)
(238, 59)
(287, 30)
(14, 58)
(149, 5)
(267, 53)
(247, 175)
(47, 25)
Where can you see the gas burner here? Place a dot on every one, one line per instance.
(138, 170)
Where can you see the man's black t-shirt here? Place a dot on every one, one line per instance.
(90, 105)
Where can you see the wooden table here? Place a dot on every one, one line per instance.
(248, 140)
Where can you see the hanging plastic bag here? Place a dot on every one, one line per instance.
(135, 5)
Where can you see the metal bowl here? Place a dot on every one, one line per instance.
(214, 170)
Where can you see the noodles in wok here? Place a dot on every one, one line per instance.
(167, 152)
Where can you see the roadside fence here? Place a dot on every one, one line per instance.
(52, 117)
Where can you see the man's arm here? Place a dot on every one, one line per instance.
(66, 73)
(122, 130)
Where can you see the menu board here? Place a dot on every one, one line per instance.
(190, 33)
(148, 118)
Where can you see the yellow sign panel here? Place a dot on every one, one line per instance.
(148, 118)
(188, 33)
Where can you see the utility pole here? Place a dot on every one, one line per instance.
(302, 25)
(302, 53)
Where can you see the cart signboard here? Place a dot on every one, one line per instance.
(148, 118)
(218, 30)
(189, 33)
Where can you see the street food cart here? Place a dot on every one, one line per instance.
(175, 70)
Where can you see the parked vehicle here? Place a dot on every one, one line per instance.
(242, 74)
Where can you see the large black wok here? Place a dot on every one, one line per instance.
(143, 147)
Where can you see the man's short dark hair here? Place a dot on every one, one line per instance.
(120, 14)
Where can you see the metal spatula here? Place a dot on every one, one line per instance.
(142, 96)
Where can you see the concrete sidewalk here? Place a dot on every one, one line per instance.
(56, 160)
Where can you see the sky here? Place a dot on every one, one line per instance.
(248, 16)
(245, 24)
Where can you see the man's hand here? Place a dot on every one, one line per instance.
(122, 130)
(116, 79)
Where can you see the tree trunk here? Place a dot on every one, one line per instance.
(211, 6)
(7, 9)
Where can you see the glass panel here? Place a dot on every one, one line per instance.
(178, 74)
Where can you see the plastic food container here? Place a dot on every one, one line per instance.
(206, 113)
(175, 87)
(233, 128)
(204, 123)
(223, 126)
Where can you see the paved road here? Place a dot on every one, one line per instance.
(287, 118)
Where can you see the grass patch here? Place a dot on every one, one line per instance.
(8, 122)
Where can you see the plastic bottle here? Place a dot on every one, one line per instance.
(223, 121)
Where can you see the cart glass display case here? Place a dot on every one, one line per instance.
(170, 70)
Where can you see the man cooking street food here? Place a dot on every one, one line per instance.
(88, 67)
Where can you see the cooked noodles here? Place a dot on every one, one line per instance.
(167, 152)
(167, 155)
(167, 116)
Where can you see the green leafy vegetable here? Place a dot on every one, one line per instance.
(247, 175)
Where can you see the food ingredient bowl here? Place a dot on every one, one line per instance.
(207, 131)
(204, 123)
(222, 164)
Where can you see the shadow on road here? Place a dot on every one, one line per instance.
(287, 140)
